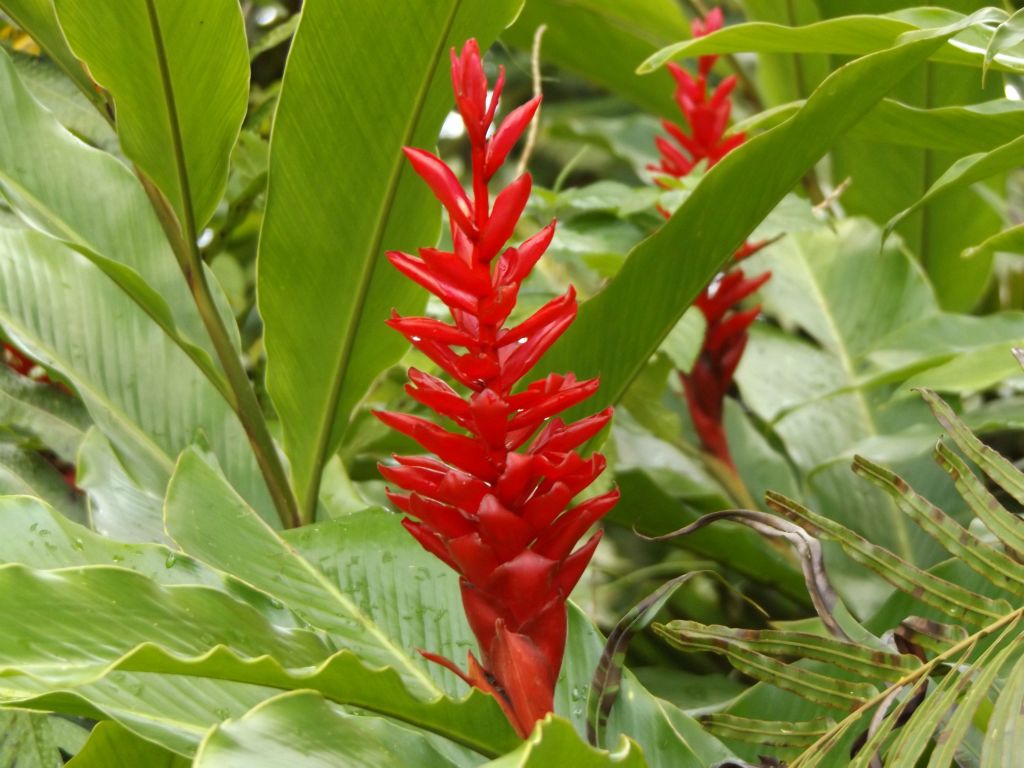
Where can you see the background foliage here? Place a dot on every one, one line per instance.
(194, 202)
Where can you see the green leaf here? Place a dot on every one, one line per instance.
(848, 35)
(826, 690)
(651, 282)
(118, 506)
(1005, 737)
(139, 387)
(112, 746)
(784, 734)
(29, 740)
(1006, 526)
(1010, 240)
(50, 415)
(301, 729)
(250, 549)
(989, 461)
(625, 31)
(959, 129)
(952, 599)
(866, 663)
(998, 568)
(130, 609)
(1007, 35)
(967, 171)
(55, 182)
(557, 743)
(38, 18)
(340, 185)
(52, 88)
(157, 58)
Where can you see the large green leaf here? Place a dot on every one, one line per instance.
(715, 220)
(178, 72)
(140, 388)
(37, 17)
(303, 730)
(89, 198)
(252, 551)
(341, 193)
(625, 31)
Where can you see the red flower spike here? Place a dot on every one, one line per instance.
(707, 118)
(499, 517)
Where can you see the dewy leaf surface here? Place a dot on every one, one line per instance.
(340, 194)
(178, 71)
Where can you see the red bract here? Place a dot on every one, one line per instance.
(496, 514)
(707, 384)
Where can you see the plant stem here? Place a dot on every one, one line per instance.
(243, 398)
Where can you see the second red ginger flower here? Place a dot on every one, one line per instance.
(725, 338)
(494, 503)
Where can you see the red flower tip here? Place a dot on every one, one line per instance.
(496, 516)
(707, 119)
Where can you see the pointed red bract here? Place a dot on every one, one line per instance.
(498, 517)
(707, 118)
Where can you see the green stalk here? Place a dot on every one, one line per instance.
(183, 235)
(242, 396)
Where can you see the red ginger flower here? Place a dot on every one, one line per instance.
(494, 510)
(707, 117)
(725, 338)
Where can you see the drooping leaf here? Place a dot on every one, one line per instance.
(604, 690)
(339, 185)
(178, 73)
(967, 171)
